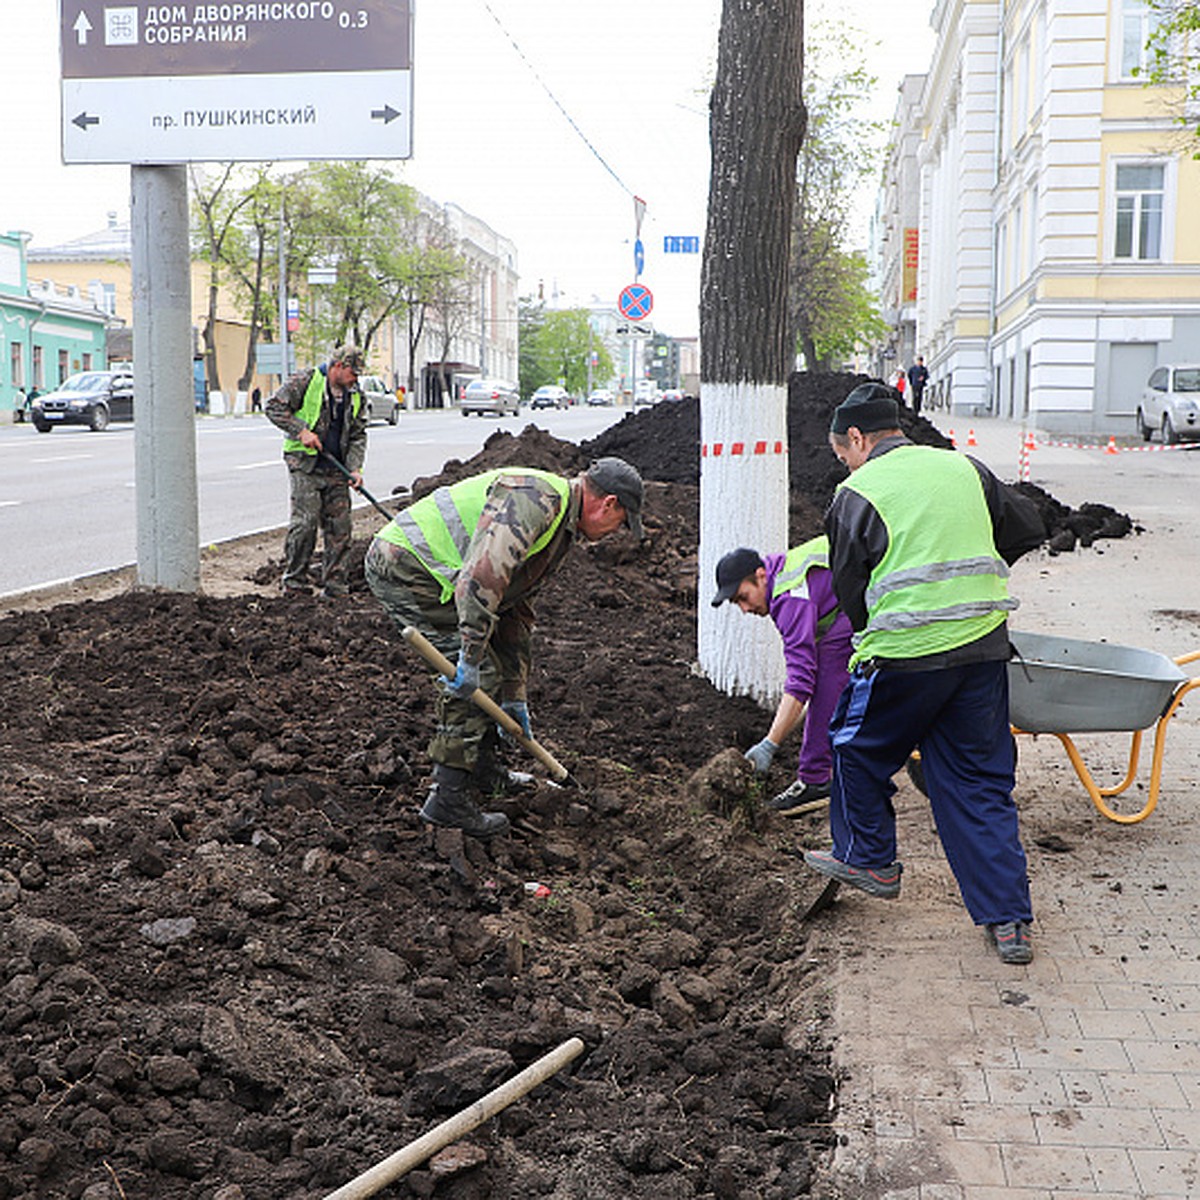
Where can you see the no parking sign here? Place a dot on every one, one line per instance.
(636, 302)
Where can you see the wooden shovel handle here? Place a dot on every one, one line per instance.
(439, 662)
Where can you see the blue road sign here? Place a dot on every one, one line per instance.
(639, 257)
(636, 302)
(681, 245)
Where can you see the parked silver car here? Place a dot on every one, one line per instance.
(491, 395)
(381, 401)
(1171, 403)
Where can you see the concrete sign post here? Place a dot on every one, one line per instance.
(162, 84)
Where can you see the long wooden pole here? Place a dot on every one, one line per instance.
(486, 1107)
(439, 662)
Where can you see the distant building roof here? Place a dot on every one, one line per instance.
(112, 242)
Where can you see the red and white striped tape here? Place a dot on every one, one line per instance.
(734, 449)
(1112, 448)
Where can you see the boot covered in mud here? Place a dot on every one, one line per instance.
(449, 805)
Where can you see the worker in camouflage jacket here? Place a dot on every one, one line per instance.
(324, 417)
(463, 565)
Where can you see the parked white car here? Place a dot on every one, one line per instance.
(382, 403)
(1171, 403)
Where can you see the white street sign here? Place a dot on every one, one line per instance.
(237, 80)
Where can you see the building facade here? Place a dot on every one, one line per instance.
(47, 332)
(1059, 214)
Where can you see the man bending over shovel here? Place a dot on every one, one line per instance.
(462, 565)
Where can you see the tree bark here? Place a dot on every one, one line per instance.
(756, 126)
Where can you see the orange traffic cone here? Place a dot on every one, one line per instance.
(1111, 448)
(950, 435)
(971, 438)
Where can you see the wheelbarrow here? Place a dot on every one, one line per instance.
(1064, 686)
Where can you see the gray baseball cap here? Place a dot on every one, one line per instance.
(615, 477)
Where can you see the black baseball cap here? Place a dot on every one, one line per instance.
(732, 569)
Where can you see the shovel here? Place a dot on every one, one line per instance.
(362, 491)
(439, 662)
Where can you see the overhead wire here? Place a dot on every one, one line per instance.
(557, 103)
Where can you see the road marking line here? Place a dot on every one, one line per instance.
(63, 458)
(9, 503)
(270, 462)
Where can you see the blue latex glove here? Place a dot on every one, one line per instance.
(519, 711)
(761, 754)
(465, 681)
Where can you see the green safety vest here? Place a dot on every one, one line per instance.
(793, 575)
(310, 410)
(940, 583)
(438, 528)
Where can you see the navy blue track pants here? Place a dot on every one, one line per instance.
(958, 718)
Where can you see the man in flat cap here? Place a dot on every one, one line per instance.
(920, 540)
(796, 591)
(463, 565)
(322, 413)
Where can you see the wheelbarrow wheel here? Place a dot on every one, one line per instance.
(916, 772)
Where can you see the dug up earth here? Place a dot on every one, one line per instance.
(238, 967)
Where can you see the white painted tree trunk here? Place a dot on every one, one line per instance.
(743, 502)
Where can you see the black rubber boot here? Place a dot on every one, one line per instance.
(449, 805)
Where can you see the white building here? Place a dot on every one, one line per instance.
(1059, 206)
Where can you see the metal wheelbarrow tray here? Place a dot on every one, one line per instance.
(1062, 686)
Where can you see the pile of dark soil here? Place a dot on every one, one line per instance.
(663, 442)
(236, 966)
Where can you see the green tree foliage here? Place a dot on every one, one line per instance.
(840, 153)
(1174, 46)
(554, 348)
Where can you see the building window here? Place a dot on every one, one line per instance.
(1136, 27)
(1139, 210)
(18, 365)
(64, 365)
(86, 363)
(39, 369)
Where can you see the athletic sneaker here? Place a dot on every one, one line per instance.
(883, 882)
(1011, 939)
(790, 802)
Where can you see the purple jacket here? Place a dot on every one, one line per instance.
(796, 618)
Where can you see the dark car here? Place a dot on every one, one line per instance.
(91, 398)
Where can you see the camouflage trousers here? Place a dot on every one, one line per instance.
(318, 501)
(411, 596)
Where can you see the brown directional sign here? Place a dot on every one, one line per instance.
(108, 39)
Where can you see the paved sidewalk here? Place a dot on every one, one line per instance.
(1079, 1075)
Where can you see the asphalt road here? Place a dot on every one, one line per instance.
(68, 507)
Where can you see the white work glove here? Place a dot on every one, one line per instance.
(761, 754)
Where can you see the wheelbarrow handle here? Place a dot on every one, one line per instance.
(439, 662)
(341, 466)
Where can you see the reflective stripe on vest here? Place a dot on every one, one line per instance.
(310, 411)
(793, 576)
(940, 583)
(438, 528)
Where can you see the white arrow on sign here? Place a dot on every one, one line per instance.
(82, 28)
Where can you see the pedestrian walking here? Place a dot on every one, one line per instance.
(796, 591)
(322, 414)
(463, 565)
(918, 377)
(920, 540)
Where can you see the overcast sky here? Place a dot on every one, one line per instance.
(632, 75)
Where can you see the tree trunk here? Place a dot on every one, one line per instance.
(756, 126)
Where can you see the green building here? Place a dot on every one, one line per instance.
(46, 333)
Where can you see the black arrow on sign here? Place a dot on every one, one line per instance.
(83, 121)
(386, 114)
